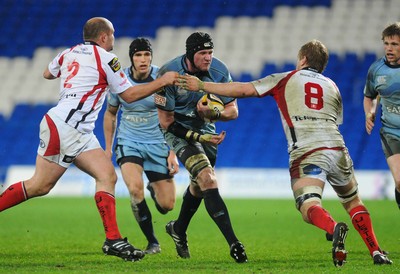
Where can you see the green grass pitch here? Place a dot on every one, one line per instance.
(65, 235)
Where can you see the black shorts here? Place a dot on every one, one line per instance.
(390, 143)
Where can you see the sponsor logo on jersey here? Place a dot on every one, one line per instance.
(114, 64)
(160, 100)
(303, 118)
(393, 109)
(136, 119)
(381, 79)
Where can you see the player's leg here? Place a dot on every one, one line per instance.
(361, 219)
(47, 171)
(161, 184)
(95, 163)
(132, 173)
(309, 171)
(217, 210)
(43, 180)
(394, 165)
(192, 198)
(164, 193)
(308, 194)
(391, 148)
(342, 179)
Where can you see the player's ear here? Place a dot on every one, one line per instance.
(103, 37)
(302, 62)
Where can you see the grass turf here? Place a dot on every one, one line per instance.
(65, 235)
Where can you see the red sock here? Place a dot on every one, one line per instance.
(105, 203)
(13, 195)
(321, 218)
(363, 224)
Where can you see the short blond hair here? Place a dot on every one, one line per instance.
(316, 53)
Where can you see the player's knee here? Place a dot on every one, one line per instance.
(109, 178)
(397, 183)
(44, 190)
(168, 207)
(135, 188)
(349, 196)
(306, 196)
(35, 188)
(207, 179)
(166, 203)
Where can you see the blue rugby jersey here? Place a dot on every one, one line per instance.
(139, 120)
(384, 79)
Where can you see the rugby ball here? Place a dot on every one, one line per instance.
(209, 107)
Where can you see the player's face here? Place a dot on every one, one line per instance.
(142, 61)
(391, 45)
(202, 59)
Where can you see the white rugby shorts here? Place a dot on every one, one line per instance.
(61, 143)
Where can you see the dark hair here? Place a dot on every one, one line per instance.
(316, 53)
(94, 26)
(197, 41)
(391, 30)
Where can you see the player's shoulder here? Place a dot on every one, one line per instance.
(377, 65)
(109, 58)
(218, 66)
(154, 70)
(175, 64)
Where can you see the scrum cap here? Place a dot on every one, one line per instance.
(139, 44)
(197, 41)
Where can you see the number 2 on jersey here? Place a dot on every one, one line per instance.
(74, 67)
(313, 97)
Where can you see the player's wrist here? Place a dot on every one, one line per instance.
(200, 85)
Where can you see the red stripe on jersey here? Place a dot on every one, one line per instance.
(102, 80)
(102, 77)
(53, 147)
(279, 96)
(278, 92)
(295, 167)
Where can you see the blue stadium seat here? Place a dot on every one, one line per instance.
(257, 117)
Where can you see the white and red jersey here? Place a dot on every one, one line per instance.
(87, 73)
(310, 106)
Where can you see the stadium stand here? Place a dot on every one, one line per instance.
(253, 37)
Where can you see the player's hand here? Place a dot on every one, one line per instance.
(369, 122)
(190, 82)
(173, 165)
(212, 139)
(207, 112)
(170, 78)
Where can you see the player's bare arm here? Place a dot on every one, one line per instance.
(369, 109)
(138, 92)
(232, 89)
(230, 112)
(173, 165)
(109, 128)
(47, 75)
